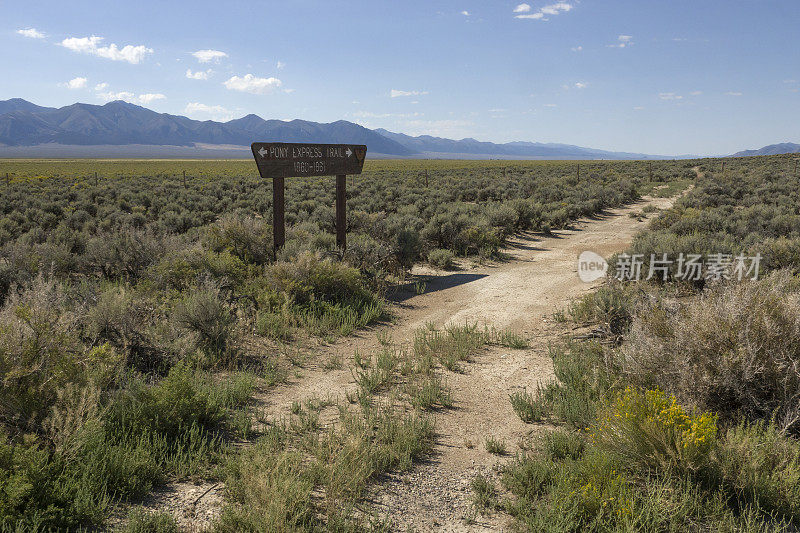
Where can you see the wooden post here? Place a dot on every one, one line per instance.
(579, 172)
(341, 212)
(278, 229)
(426, 178)
(723, 169)
(650, 170)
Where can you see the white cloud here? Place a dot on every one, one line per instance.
(129, 97)
(577, 48)
(122, 95)
(252, 84)
(550, 105)
(280, 65)
(465, 13)
(76, 83)
(91, 45)
(551, 9)
(733, 93)
(31, 33)
(394, 93)
(581, 84)
(101, 86)
(150, 97)
(207, 56)
(670, 96)
(215, 112)
(696, 93)
(199, 75)
(623, 41)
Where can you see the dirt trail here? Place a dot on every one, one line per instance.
(537, 277)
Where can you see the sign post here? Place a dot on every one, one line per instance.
(277, 161)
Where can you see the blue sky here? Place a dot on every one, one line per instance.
(662, 77)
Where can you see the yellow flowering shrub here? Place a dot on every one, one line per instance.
(650, 428)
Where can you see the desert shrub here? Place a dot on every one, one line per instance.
(529, 213)
(39, 353)
(248, 238)
(124, 318)
(408, 247)
(733, 350)
(504, 218)
(370, 256)
(188, 267)
(760, 466)
(584, 378)
(649, 429)
(527, 408)
(612, 305)
(277, 326)
(126, 253)
(441, 259)
(323, 295)
(205, 314)
(310, 279)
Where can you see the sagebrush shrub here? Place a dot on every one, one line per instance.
(735, 351)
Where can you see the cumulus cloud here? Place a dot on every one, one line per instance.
(101, 86)
(215, 112)
(76, 83)
(207, 56)
(465, 13)
(524, 11)
(121, 95)
(199, 75)
(150, 97)
(31, 33)
(394, 93)
(252, 84)
(129, 97)
(91, 45)
(623, 41)
(580, 84)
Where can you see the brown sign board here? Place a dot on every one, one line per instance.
(285, 160)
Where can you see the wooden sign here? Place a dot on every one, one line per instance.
(285, 160)
(277, 161)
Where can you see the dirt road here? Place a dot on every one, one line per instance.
(537, 277)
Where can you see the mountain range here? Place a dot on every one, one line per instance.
(772, 149)
(122, 129)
